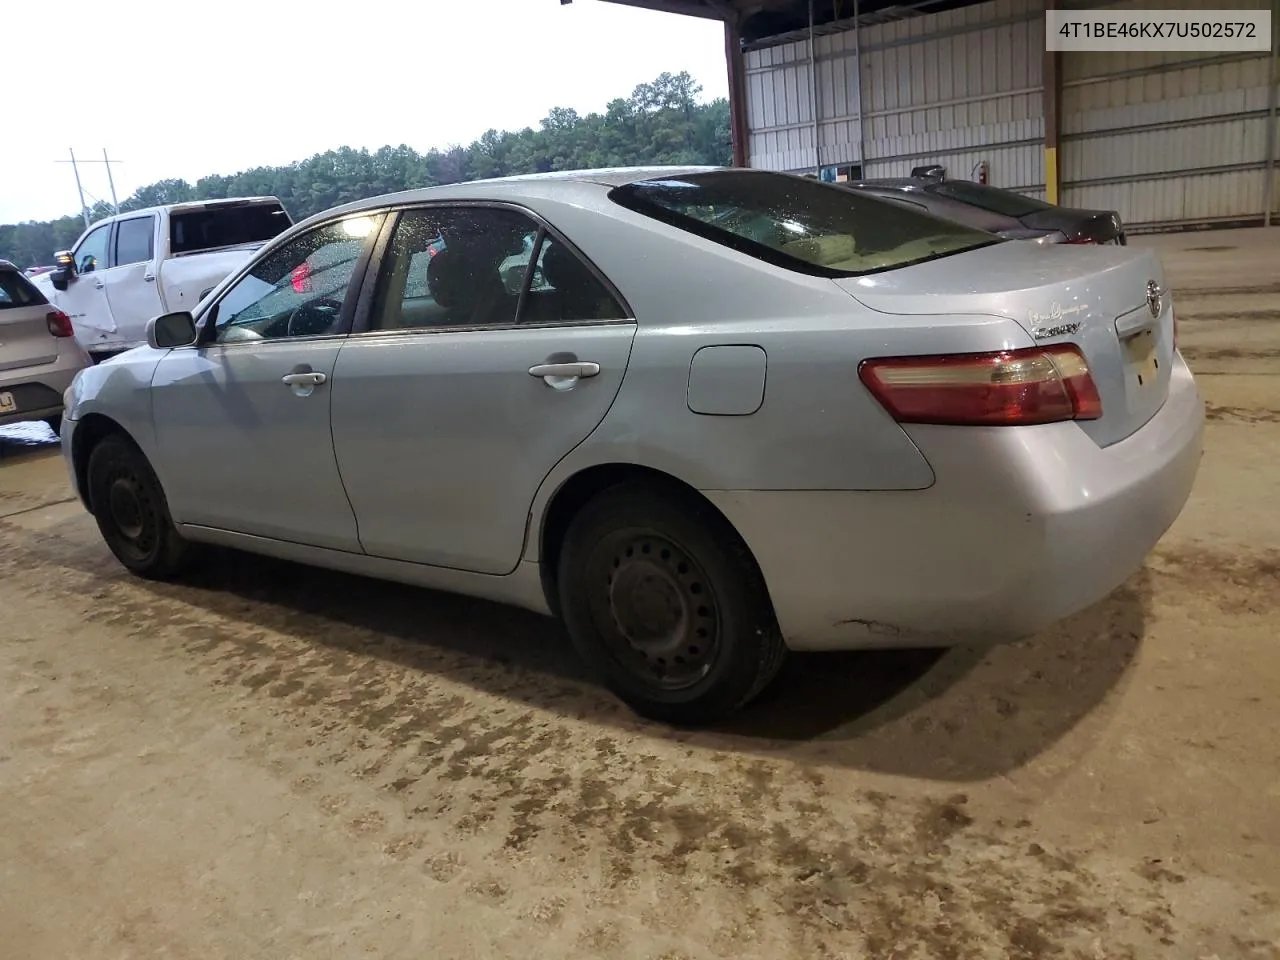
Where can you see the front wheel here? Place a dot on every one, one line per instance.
(131, 511)
(664, 601)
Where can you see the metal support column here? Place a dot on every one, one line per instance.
(1269, 187)
(737, 92)
(813, 95)
(1052, 82)
(857, 59)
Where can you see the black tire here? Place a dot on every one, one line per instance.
(55, 423)
(664, 601)
(132, 513)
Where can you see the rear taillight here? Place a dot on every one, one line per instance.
(1082, 240)
(1174, 315)
(59, 324)
(1010, 388)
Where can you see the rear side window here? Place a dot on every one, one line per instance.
(17, 291)
(225, 226)
(135, 240)
(801, 224)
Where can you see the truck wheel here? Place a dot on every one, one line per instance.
(663, 600)
(132, 513)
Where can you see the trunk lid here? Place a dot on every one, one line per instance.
(1093, 297)
(25, 340)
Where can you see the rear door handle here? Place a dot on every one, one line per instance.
(149, 278)
(303, 379)
(565, 370)
(99, 285)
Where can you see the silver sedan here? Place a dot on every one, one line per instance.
(718, 415)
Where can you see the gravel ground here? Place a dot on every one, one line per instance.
(268, 761)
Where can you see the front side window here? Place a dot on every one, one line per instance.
(299, 289)
(1004, 202)
(801, 224)
(92, 253)
(135, 240)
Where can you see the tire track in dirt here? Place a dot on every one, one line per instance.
(468, 775)
(1192, 353)
(1221, 413)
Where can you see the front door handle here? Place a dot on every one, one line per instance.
(565, 370)
(99, 285)
(311, 379)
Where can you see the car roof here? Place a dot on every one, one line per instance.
(565, 183)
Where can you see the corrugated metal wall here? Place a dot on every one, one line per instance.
(1166, 138)
(951, 88)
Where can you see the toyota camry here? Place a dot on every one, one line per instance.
(704, 416)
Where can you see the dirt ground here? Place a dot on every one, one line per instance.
(274, 762)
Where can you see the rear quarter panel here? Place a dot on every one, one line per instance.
(818, 428)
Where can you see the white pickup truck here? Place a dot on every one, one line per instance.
(134, 266)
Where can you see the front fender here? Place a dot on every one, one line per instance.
(119, 389)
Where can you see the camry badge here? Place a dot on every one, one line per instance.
(1053, 323)
(1155, 298)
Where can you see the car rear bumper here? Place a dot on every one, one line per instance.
(1023, 527)
(38, 390)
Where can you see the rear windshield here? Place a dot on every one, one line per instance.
(1004, 202)
(801, 224)
(226, 226)
(17, 291)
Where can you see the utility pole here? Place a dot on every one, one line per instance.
(115, 205)
(75, 167)
(84, 210)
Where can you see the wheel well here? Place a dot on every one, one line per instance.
(89, 432)
(577, 491)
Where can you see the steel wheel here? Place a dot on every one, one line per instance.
(664, 617)
(132, 514)
(663, 599)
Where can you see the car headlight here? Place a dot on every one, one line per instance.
(70, 397)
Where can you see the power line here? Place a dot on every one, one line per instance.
(106, 162)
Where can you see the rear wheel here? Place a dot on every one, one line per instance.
(663, 599)
(131, 511)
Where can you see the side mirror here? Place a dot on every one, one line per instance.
(64, 271)
(171, 330)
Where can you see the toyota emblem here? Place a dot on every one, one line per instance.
(1155, 298)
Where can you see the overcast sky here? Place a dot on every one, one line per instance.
(184, 88)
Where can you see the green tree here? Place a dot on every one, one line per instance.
(662, 122)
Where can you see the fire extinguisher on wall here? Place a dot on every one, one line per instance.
(982, 169)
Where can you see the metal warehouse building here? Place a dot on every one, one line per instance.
(850, 89)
